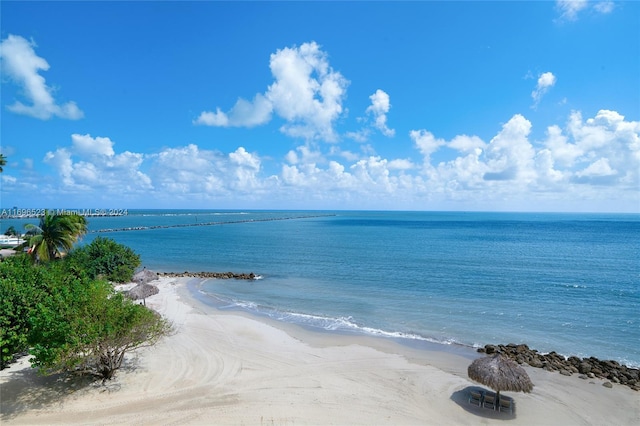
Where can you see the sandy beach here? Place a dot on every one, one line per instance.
(229, 368)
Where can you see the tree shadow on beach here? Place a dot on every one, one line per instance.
(25, 389)
(461, 397)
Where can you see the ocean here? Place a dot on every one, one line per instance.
(558, 282)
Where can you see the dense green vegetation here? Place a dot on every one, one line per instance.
(68, 316)
(84, 325)
(22, 286)
(104, 258)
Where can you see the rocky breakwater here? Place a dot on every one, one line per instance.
(587, 368)
(218, 275)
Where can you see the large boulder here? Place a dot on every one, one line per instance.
(584, 367)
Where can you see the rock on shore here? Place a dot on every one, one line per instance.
(218, 275)
(591, 367)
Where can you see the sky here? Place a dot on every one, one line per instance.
(458, 106)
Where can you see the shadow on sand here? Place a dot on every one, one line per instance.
(461, 398)
(25, 389)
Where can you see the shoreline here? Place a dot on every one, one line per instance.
(222, 367)
(551, 361)
(586, 368)
(308, 331)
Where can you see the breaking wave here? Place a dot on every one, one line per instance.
(319, 322)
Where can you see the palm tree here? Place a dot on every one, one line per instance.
(55, 235)
(3, 162)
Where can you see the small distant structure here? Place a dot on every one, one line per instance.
(10, 241)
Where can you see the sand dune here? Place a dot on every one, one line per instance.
(225, 368)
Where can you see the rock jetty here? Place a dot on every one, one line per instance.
(227, 222)
(218, 275)
(587, 368)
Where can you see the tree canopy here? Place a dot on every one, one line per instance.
(105, 258)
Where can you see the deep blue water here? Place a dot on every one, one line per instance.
(562, 282)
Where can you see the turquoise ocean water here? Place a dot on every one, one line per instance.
(568, 283)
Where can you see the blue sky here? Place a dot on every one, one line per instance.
(516, 106)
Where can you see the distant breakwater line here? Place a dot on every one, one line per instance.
(218, 275)
(229, 222)
(587, 368)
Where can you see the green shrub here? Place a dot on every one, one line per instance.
(104, 258)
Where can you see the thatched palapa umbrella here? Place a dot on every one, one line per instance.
(500, 374)
(144, 276)
(142, 291)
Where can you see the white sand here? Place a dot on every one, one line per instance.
(222, 368)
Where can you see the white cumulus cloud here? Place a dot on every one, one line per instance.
(379, 108)
(607, 149)
(583, 164)
(91, 164)
(61, 161)
(21, 63)
(246, 169)
(307, 93)
(192, 173)
(243, 114)
(401, 164)
(545, 81)
(510, 155)
(208, 118)
(598, 168)
(86, 145)
(464, 143)
(376, 118)
(426, 142)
